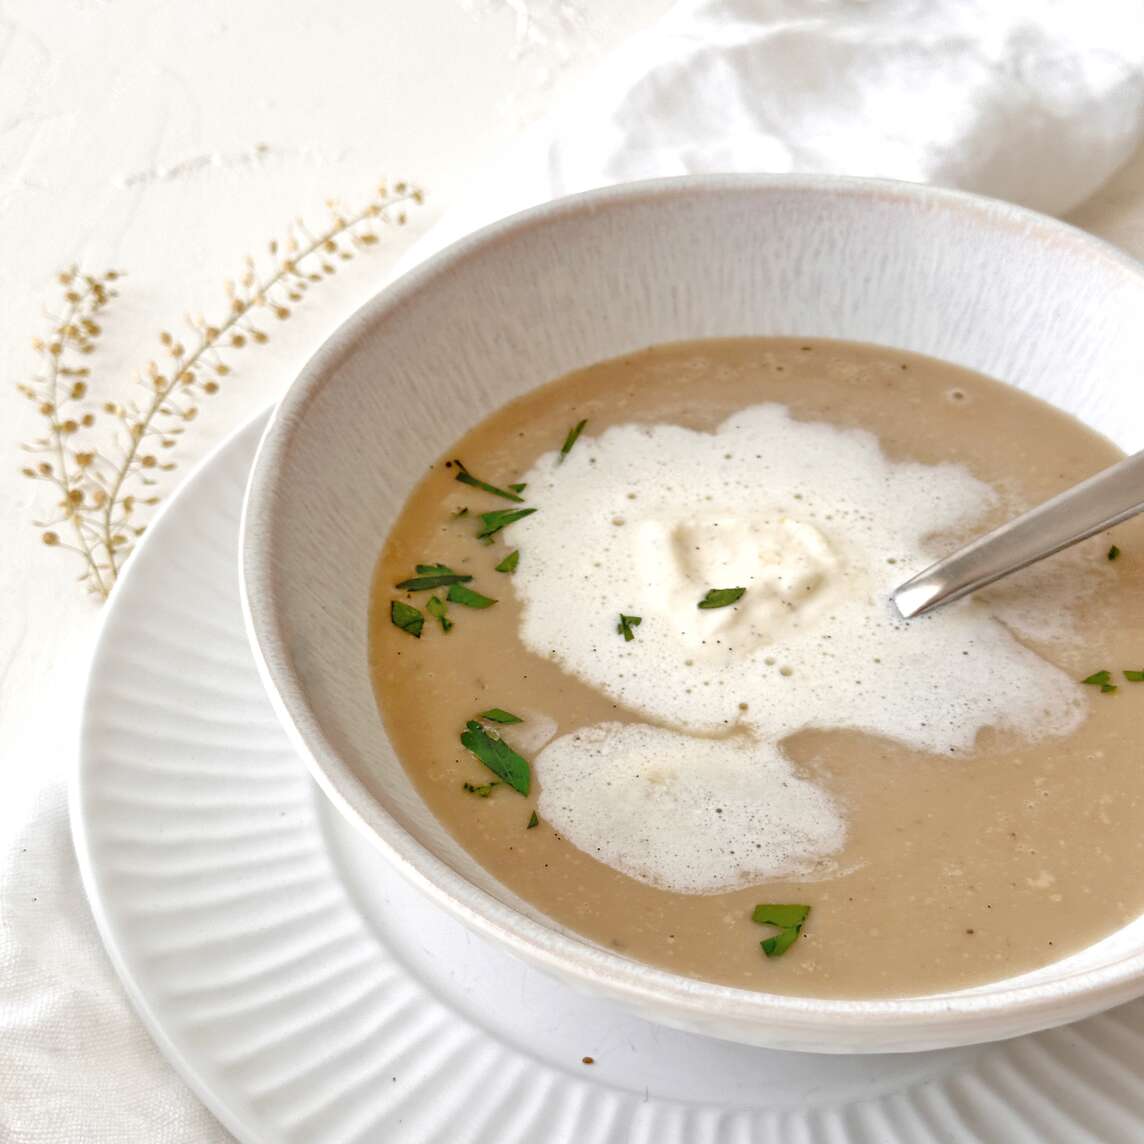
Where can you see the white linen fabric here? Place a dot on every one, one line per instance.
(1028, 100)
(1035, 101)
(1031, 100)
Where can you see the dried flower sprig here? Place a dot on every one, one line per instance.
(103, 491)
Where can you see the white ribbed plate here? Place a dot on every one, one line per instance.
(309, 995)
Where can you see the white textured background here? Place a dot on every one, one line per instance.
(169, 139)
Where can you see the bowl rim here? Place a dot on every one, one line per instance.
(951, 1018)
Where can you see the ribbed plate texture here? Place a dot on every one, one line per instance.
(310, 996)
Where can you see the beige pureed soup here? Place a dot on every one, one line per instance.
(679, 642)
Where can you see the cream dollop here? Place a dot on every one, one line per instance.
(655, 793)
(818, 525)
(787, 564)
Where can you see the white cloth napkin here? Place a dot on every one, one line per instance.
(1036, 101)
(1029, 99)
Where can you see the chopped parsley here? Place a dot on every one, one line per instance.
(782, 941)
(1103, 680)
(494, 521)
(459, 594)
(570, 440)
(781, 916)
(1113, 552)
(627, 624)
(532, 821)
(519, 487)
(481, 791)
(498, 756)
(1134, 676)
(406, 617)
(432, 576)
(467, 478)
(500, 715)
(509, 563)
(721, 597)
(787, 919)
(437, 609)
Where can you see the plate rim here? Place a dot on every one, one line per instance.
(230, 1119)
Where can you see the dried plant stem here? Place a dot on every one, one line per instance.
(80, 524)
(99, 487)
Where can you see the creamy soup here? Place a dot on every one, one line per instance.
(666, 699)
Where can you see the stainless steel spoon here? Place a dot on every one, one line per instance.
(1074, 515)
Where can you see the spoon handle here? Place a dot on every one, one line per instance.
(1074, 515)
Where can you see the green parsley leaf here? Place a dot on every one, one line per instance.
(789, 920)
(626, 624)
(570, 440)
(1134, 676)
(721, 597)
(432, 569)
(498, 756)
(532, 821)
(467, 478)
(782, 941)
(494, 521)
(406, 617)
(500, 715)
(458, 594)
(482, 791)
(1113, 552)
(519, 487)
(781, 916)
(434, 579)
(1098, 678)
(1108, 688)
(509, 563)
(437, 608)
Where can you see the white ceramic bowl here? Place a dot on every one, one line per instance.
(979, 283)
